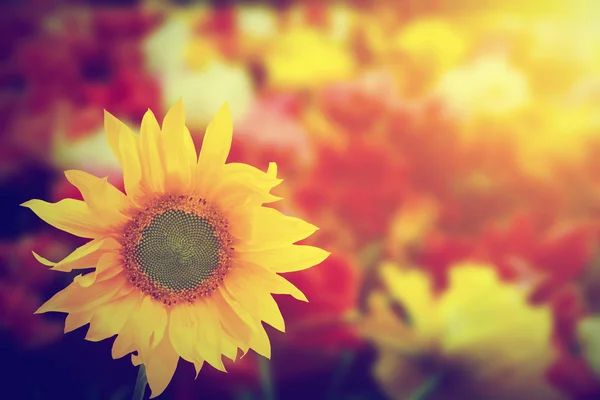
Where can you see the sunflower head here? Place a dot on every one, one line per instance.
(185, 261)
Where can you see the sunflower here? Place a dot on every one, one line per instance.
(186, 261)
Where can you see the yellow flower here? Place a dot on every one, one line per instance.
(174, 46)
(257, 21)
(489, 86)
(303, 57)
(411, 223)
(186, 261)
(555, 133)
(90, 151)
(425, 49)
(220, 82)
(479, 337)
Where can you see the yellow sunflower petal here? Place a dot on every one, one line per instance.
(236, 321)
(183, 328)
(228, 347)
(161, 363)
(256, 301)
(106, 262)
(85, 256)
(69, 215)
(77, 320)
(270, 281)
(260, 342)
(109, 319)
(239, 183)
(75, 298)
(272, 229)
(151, 321)
(178, 152)
(154, 175)
(136, 360)
(286, 259)
(208, 335)
(124, 343)
(100, 196)
(215, 145)
(198, 366)
(112, 128)
(272, 170)
(190, 328)
(131, 163)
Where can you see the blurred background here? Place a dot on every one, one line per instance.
(448, 150)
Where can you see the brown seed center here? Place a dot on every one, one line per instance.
(177, 248)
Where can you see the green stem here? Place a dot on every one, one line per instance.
(427, 388)
(266, 380)
(140, 384)
(346, 360)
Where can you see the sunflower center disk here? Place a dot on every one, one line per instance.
(177, 248)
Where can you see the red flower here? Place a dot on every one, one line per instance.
(119, 23)
(271, 132)
(552, 255)
(22, 279)
(317, 331)
(18, 265)
(129, 94)
(17, 306)
(359, 106)
(573, 376)
(568, 309)
(362, 185)
(332, 291)
(221, 27)
(439, 252)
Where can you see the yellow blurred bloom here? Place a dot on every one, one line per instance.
(555, 133)
(432, 40)
(322, 131)
(175, 46)
(256, 21)
(89, 151)
(431, 46)
(199, 52)
(411, 224)
(479, 338)
(205, 89)
(304, 58)
(489, 86)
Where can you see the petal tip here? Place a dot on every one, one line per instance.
(109, 116)
(224, 112)
(41, 310)
(27, 204)
(43, 260)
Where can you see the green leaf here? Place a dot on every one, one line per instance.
(427, 388)
(345, 363)
(588, 333)
(266, 378)
(121, 394)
